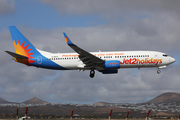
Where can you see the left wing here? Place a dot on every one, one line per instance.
(87, 58)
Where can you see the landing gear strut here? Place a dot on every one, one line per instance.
(92, 73)
(158, 71)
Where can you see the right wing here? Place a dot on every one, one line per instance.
(87, 58)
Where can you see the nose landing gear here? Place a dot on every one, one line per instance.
(92, 73)
(158, 71)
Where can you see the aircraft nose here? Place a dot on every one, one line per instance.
(172, 60)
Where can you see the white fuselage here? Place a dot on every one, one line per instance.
(128, 59)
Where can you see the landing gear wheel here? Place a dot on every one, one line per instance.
(92, 73)
(158, 71)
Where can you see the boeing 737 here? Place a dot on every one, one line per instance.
(104, 62)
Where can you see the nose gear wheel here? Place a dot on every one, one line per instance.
(158, 71)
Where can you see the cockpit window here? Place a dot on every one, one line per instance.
(165, 55)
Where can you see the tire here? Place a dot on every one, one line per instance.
(91, 75)
(92, 72)
(158, 71)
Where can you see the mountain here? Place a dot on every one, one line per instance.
(36, 101)
(2, 101)
(168, 97)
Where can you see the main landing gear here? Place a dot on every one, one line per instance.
(158, 71)
(92, 73)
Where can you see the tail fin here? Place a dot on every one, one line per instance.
(21, 44)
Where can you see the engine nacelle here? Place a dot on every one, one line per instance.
(109, 71)
(113, 64)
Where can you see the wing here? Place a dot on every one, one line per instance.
(87, 58)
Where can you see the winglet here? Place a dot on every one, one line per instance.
(68, 41)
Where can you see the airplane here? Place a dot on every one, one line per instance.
(104, 62)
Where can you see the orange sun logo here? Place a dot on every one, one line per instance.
(20, 49)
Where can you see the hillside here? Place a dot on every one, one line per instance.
(168, 97)
(35, 100)
(2, 101)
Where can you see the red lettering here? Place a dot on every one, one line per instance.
(134, 61)
(160, 61)
(142, 61)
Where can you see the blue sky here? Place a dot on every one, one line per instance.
(93, 25)
(41, 16)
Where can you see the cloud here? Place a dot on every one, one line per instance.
(113, 9)
(7, 7)
(74, 87)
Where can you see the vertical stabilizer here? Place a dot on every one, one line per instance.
(22, 45)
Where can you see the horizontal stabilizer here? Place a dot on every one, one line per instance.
(16, 55)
